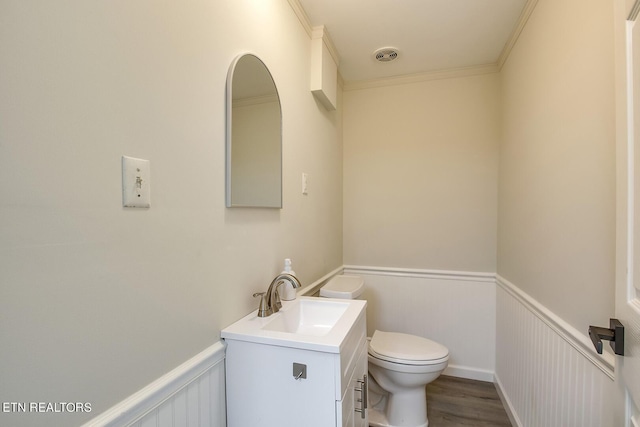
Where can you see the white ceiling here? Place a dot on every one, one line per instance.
(430, 35)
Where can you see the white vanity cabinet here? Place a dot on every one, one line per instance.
(352, 408)
(262, 389)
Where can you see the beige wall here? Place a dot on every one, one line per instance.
(97, 301)
(557, 168)
(420, 174)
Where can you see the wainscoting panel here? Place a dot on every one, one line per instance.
(192, 395)
(456, 309)
(546, 373)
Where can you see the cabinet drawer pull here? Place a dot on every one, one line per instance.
(363, 396)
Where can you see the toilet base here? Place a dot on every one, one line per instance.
(378, 419)
(379, 408)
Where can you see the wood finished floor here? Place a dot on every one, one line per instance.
(457, 402)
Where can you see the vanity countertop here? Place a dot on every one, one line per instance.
(308, 323)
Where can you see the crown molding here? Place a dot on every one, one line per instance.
(312, 32)
(422, 77)
(527, 10)
(306, 24)
(320, 32)
(302, 16)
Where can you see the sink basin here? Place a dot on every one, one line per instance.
(311, 323)
(308, 317)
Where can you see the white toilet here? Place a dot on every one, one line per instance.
(400, 366)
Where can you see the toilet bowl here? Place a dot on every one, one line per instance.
(400, 367)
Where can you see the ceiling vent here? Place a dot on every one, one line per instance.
(386, 54)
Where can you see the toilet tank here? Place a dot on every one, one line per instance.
(343, 286)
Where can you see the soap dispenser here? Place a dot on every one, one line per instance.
(287, 292)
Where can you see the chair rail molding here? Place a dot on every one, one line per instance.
(579, 341)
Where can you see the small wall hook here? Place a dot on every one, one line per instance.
(615, 334)
(299, 371)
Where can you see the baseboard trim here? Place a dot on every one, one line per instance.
(506, 402)
(580, 342)
(469, 373)
(420, 273)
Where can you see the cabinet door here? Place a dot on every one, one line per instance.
(352, 409)
(360, 388)
(262, 390)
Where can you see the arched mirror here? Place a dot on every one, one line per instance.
(254, 136)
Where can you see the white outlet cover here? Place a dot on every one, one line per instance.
(136, 183)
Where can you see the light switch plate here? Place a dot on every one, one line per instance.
(136, 184)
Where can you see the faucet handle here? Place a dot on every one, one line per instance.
(263, 309)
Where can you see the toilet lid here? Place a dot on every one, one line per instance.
(404, 348)
(343, 286)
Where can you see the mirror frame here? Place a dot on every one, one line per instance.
(229, 136)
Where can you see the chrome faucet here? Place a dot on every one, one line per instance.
(270, 301)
